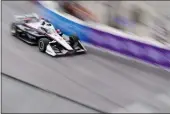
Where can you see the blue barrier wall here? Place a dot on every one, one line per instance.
(131, 48)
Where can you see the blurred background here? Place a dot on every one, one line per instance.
(143, 18)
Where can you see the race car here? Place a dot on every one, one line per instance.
(35, 30)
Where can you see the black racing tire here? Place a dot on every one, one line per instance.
(42, 44)
(74, 38)
(13, 30)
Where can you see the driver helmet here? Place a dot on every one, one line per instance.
(45, 19)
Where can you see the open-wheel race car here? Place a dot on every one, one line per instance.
(35, 30)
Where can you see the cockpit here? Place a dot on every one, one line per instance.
(45, 23)
(47, 27)
(51, 31)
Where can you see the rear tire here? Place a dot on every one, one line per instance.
(42, 44)
(13, 30)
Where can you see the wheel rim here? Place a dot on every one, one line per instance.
(13, 30)
(41, 45)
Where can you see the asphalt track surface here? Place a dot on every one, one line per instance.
(99, 80)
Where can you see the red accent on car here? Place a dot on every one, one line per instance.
(58, 30)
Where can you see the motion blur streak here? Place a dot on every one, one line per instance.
(97, 79)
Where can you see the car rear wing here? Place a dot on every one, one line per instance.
(26, 16)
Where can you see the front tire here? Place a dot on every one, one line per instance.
(42, 44)
(73, 39)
